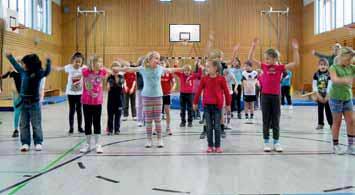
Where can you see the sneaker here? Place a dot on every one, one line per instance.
(209, 150)
(168, 130)
(81, 130)
(239, 116)
(198, 118)
(117, 132)
(160, 143)
(351, 149)
(109, 133)
(154, 133)
(319, 127)
(189, 124)
(25, 148)
(290, 107)
(201, 122)
(277, 147)
(149, 143)
(337, 149)
(267, 147)
(124, 118)
(85, 148)
(182, 124)
(38, 147)
(71, 131)
(223, 134)
(247, 117)
(99, 149)
(134, 118)
(140, 124)
(203, 135)
(219, 150)
(227, 127)
(15, 133)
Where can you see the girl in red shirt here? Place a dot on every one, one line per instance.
(214, 87)
(167, 84)
(270, 91)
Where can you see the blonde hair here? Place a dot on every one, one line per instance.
(93, 60)
(149, 57)
(116, 64)
(346, 51)
(273, 53)
(187, 67)
(216, 63)
(215, 54)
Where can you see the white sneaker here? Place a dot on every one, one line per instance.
(290, 107)
(160, 143)
(277, 147)
(134, 118)
(99, 149)
(338, 150)
(149, 143)
(38, 147)
(25, 148)
(140, 124)
(351, 150)
(124, 119)
(267, 147)
(85, 148)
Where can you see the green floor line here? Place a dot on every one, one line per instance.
(50, 165)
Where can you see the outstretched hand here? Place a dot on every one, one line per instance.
(295, 44)
(255, 41)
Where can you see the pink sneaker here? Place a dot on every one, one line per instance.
(209, 150)
(219, 150)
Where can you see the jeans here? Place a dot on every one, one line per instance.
(130, 98)
(75, 106)
(270, 107)
(31, 115)
(213, 121)
(17, 112)
(186, 105)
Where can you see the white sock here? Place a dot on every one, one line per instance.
(88, 139)
(97, 139)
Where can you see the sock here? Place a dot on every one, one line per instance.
(335, 142)
(88, 139)
(276, 141)
(97, 139)
(351, 139)
(266, 141)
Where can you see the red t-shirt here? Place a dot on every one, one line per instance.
(129, 77)
(186, 82)
(214, 90)
(271, 78)
(166, 81)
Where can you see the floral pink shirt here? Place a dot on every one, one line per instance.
(93, 86)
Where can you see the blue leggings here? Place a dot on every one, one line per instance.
(17, 112)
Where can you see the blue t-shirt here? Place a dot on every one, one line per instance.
(237, 72)
(151, 80)
(286, 78)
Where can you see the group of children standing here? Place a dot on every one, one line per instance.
(149, 85)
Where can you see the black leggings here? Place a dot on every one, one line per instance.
(236, 100)
(92, 116)
(75, 105)
(114, 118)
(186, 105)
(328, 113)
(270, 107)
(285, 93)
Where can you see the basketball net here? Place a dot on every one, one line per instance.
(185, 42)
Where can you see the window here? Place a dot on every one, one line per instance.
(36, 14)
(332, 14)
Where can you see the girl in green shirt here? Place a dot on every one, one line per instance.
(341, 96)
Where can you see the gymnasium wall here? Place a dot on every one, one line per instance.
(138, 26)
(24, 43)
(322, 43)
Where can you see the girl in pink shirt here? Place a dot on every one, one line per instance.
(270, 92)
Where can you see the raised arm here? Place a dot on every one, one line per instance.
(319, 55)
(296, 55)
(14, 63)
(48, 67)
(251, 55)
(7, 74)
(173, 70)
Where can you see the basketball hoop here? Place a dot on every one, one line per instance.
(20, 26)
